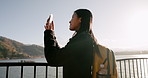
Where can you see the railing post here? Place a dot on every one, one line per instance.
(7, 71)
(140, 67)
(46, 71)
(147, 64)
(129, 68)
(34, 71)
(137, 68)
(125, 68)
(21, 71)
(56, 72)
(144, 68)
(133, 68)
(120, 69)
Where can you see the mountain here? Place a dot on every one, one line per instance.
(13, 49)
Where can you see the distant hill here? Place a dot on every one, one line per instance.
(12, 49)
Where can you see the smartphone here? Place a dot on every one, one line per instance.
(50, 19)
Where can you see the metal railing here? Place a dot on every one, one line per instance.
(127, 68)
(22, 65)
(132, 68)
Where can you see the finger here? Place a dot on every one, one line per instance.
(48, 19)
(46, 27)
(52, 27)
(47, 23)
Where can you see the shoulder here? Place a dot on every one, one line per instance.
(80, 41)
(82, 36)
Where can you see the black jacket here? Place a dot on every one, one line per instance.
(75, 57)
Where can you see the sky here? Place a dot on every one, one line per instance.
(117, 24)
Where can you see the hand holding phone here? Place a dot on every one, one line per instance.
(49, 23)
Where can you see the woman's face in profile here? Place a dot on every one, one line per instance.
(75, 22)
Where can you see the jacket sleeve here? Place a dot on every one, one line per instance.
(74, 49)
(51, 48)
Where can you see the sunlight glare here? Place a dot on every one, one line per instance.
(137, 27)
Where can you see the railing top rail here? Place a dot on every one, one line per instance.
(46, 64)
(129, 59)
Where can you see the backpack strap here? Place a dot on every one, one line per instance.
(107, 59)
(104, 61)
(96, 49)
(113, 61)
(108, 66)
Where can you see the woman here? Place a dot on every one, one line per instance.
(76, 57)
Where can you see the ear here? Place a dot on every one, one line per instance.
(79, 19)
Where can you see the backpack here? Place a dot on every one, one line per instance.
(104, 63)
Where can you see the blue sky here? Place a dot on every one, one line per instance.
(116, 23)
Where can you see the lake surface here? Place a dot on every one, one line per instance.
(14, 71)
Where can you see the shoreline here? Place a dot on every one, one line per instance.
(32, 57)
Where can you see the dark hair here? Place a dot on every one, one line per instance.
(86, 18)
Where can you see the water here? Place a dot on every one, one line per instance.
(28, 72)
(14, 71)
